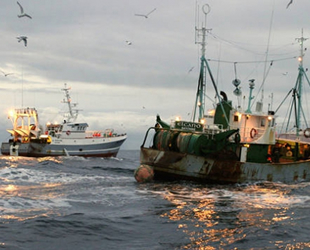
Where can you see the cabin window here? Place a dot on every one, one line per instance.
(271, 123)
(236, 118)
(262, 123)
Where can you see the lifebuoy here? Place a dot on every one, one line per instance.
(68, 132)
(289, 153)
(253, 132)
(307, 132)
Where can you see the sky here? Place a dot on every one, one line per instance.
(83, 44)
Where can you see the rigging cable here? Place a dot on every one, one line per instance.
(262, 85)
(247, 62)
(267, 52)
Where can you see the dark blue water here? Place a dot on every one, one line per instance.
(77, 203)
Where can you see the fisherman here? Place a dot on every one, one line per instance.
(276, 153)
(307, 152)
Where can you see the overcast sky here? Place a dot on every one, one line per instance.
(83, 43)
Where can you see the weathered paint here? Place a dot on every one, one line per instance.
(170, 164)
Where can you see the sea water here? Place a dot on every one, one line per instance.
(95, 203)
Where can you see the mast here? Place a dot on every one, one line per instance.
(200, 96)
(204, 68)
(72, 115)
(299, 82)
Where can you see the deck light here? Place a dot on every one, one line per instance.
(11, 113)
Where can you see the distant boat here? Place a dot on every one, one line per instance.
(68, 138)
(231, 145)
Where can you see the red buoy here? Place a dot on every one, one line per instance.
(144, 173)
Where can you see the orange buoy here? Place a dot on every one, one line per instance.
(144, 173)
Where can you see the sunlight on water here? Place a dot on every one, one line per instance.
(29, 202)
(51, 159)
(47, 187)
(225, 216)
(27, 193)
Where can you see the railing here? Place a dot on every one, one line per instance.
(250, 134)
(100, 134)
(147, 133)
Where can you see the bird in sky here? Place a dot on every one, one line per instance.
(289, 3)
(147, 15)
(6, 74)
(190, 70)
(128, 43)
(22, 38)
(22, 13)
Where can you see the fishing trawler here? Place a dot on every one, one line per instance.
(68, 138)
(231, 145)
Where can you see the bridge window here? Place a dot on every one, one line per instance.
(263, 122)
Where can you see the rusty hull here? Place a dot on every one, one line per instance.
(174, 165)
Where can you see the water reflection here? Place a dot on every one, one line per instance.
(22, 203)
(26, 193)
(227, 217)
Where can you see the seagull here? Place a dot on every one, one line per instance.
(6, 74)
(191, 70)
(289, 3)
(22, 38)
(128, 43)
(285, 73)
(22, 14)
(147, 15)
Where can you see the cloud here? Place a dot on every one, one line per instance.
(83, 45)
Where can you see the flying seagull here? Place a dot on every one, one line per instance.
(22, 14)
(190, 70)
(289, 3)
(128, 43)
(6, 74)
(147, 15)
(22, 38)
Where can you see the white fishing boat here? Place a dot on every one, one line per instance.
(68, 138)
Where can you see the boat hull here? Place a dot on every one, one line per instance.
(175, 165)
(106, 148)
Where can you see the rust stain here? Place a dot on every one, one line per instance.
(170, 158)
(269, 177)
(229, 171)
(184, 166)
(295, 176)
